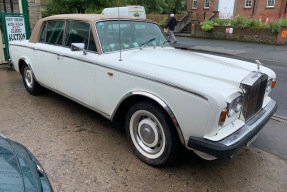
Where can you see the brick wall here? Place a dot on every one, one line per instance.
(200, 12)
(34, 9)
(259, 9)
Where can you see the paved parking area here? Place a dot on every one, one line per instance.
(82, 151)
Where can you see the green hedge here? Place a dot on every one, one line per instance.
(243, 22)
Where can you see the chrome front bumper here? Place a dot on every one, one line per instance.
(231, 144)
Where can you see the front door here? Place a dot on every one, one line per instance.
(226, 9)
(76, 70)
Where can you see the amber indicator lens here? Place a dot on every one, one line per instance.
(273, 83)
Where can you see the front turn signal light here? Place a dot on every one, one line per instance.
(273, 83)
(222, 117)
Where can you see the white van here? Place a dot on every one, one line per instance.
(132, 10)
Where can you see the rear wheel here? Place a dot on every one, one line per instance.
(32, 86)
(152, 135)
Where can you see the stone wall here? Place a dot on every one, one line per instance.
(258, 35)
(34, 9)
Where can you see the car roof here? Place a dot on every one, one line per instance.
(88, 17)
(91, 18)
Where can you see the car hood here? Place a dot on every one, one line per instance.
(168, 64)
(19, 170)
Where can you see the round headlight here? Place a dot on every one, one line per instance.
(269, 85)
(235, 106)
(239, 104)
(232, 108)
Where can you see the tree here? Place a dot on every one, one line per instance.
(155, 6)
(71, 6)
(95, 6)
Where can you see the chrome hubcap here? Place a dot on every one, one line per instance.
(147, 133)
(28, 77)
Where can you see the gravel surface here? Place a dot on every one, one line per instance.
(82, 151)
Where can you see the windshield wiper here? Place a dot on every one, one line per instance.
(163, 44)
(147, 42)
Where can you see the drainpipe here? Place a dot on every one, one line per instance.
(253, 10)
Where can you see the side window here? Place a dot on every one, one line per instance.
(52, 32)
(79, 32)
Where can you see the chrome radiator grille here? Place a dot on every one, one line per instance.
(254, 86)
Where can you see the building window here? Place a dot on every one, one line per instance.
(248, 3)
(194, 4)
(270, 3)
(206, 4)
(10, 6)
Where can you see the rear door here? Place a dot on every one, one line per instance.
(46, 53)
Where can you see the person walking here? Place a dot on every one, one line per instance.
(171, 25)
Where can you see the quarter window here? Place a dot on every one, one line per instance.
(270, 3)
(248, 3)
(206, 4)
(194, 4)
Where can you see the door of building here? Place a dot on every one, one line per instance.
(226, 9)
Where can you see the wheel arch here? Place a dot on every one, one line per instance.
(22, 61)
(136, 96)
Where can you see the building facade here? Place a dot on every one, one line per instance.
(17, 19)
(203, 9)
(31, 7)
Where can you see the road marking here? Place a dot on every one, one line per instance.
(279, 118)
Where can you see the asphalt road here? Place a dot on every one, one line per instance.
(280, 91)
(82, 151)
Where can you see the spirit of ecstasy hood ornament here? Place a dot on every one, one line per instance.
(258, 64)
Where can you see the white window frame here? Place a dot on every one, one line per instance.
(194, 4)
(248, 3)
(269, 3)
(206, 2)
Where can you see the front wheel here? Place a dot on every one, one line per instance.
(31, 85)
(151, 133)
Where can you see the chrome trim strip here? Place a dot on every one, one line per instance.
(77, 101)
(129, 73)
(160, 102)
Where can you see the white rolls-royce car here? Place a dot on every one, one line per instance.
(125, 70)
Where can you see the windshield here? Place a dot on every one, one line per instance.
(128, 35)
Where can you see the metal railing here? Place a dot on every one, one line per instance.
(183, 22)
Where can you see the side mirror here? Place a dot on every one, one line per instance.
(78, 47)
